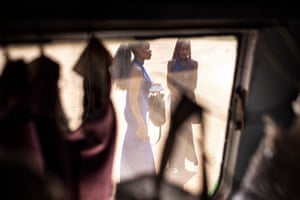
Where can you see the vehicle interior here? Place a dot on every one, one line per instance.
(248, 55)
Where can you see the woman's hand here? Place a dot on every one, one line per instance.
(142, 132)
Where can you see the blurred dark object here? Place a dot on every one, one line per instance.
(274, 169)
(93, 65)
(93, 142)
(22, 180)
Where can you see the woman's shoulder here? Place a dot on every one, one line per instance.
(171, 62)
(136, 70)
(194, 61)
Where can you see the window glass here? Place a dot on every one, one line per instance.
(216, 57)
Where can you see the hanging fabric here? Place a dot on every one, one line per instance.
(93, 142)
(93, 65)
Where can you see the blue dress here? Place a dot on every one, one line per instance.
(185, 75)
(137, 155)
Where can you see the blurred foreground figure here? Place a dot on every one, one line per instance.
(24, 170)
(50, 122)
(93, 143)
(274, 170)
(21, 180)
(17, 131)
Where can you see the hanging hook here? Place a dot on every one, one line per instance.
(40, 40)
(6, 53)
(41, 49)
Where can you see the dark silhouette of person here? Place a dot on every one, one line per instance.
(18, 134)
(50, 122)
(21, 158)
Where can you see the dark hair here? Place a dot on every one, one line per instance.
(121, 66)
(122, 63)
(179, 43)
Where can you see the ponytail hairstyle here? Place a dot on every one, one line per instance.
(122, 63)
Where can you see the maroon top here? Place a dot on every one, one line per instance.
(94, 143)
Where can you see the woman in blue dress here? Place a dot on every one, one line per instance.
(182, 76)
(136, 154)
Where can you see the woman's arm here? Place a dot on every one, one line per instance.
(133, 91)
(169, 75)
(194, 75)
